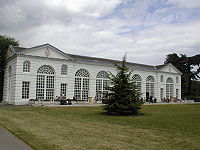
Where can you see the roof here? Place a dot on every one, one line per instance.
(18, 49)
(159, 66)
(93, 60)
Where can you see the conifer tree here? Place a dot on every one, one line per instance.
(123, 97)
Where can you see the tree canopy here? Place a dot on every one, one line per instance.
(5, 41)
(123, 97)
(186, 65)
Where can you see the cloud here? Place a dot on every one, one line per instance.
(94, 8)
(184, 4)
(148, 30)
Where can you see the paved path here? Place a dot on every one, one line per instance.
(10, 142)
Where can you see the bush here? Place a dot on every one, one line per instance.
(195, 98)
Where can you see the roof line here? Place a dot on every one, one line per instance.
(90, 57)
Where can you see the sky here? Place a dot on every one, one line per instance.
(147, 30)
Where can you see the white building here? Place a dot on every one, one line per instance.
(44, 72)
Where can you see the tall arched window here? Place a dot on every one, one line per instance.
(169, 88)
(150, 85)
(45, 83)
(137, 79)
(64, 69)
(81, 84)
(26, 66)
(102, 81)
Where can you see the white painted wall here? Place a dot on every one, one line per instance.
(18, 76)
(9, 93)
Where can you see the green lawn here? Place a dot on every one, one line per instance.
(168, 127)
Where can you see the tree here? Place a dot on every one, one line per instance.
(185, 65)
(123, 97)
(4, 44)
(195, 88)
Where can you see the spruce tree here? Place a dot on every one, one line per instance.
(123, 97)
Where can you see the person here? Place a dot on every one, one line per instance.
(164, 99)
(62, 99)
(74, 99)
(151, 99)
(167, 100)
(185, 99)
(155, 100)
(69, 102)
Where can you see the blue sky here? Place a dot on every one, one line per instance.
(147, 30)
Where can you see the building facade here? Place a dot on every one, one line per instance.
(44, 72)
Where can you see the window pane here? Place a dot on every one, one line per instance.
(77, 84)
(77, 94)
(98, 85)
(25, 90)
(64, 69)
(49, 87)
(85, 84)
(85, 94)
(40, 84)
(63, 89)
(26, 66)
(161, 93)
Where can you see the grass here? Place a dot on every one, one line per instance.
(168, 127)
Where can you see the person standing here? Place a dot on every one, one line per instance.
(151, 99)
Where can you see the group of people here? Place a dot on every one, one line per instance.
(165, 99)
(151, 99)
(63, 100)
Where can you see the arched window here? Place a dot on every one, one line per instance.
(161, 78)
(45, 70)
(169, 88)
(26, 66)
(137, 79)
(81, 84)
(102, 81)
(82, 73)
(45, 83)
(64, 70)
(150, 85)
(102, 74)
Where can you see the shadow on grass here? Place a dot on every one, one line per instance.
(124, 115)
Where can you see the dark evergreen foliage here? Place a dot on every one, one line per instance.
(123, 97)
(4, 44)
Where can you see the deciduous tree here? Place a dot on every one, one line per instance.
(186, 65)
(5, 41)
